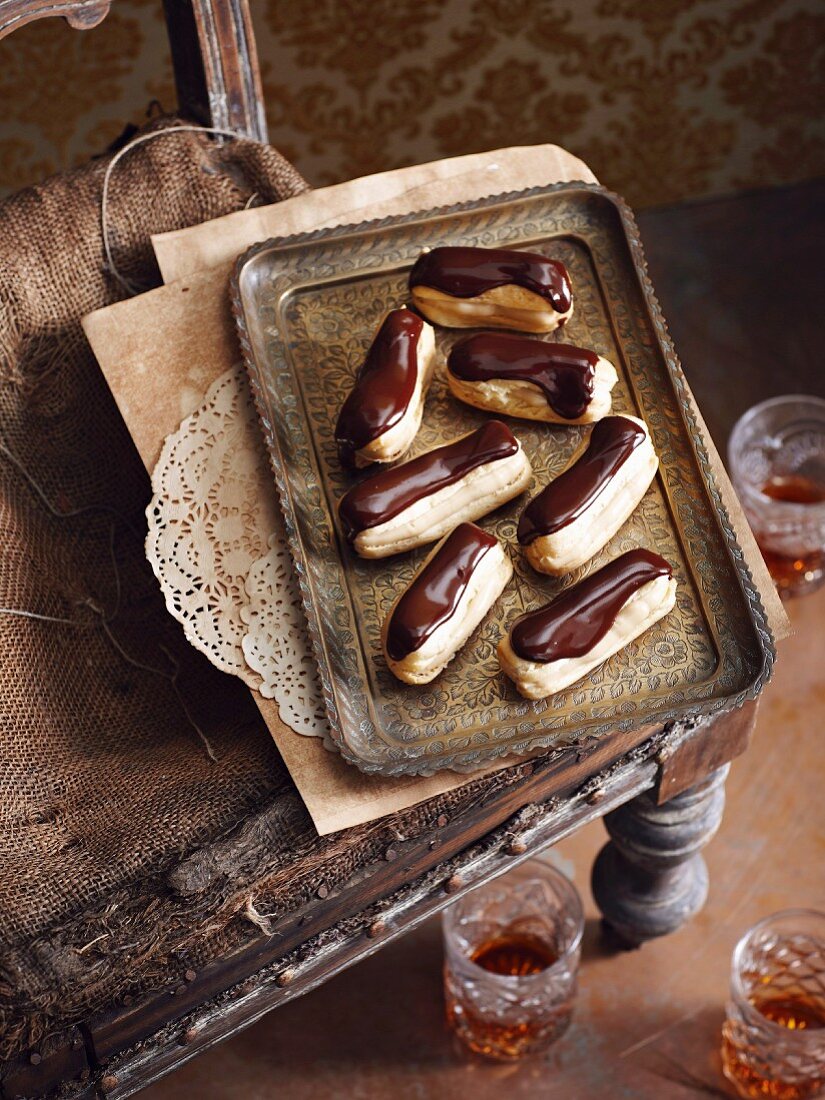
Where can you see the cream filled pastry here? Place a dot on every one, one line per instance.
(382, 414)
(417, 502)
(462, 287)
(578, 513)
(549, 649)
(445, 601)
(531, 378)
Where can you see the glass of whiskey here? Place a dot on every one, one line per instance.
(511, 959)
(773, 1040)
(776, 456)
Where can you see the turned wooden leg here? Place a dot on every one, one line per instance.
(650, 878)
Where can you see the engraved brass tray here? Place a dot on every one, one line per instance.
(306, 309)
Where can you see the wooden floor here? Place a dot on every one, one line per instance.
(740, 283)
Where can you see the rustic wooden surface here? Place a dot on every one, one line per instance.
(647, 1022)
(712, 264)
(680, 764)
(532, 783)
(138, 1040)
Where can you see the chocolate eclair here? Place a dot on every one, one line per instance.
(578, 513)
(463, 287)
(549, 649)
(445, 601)
(417, 502)
(382, 414)
(524, 376)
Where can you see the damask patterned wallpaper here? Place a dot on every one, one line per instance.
(665, 99)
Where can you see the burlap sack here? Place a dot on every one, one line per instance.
(127, 854)
(102, 774)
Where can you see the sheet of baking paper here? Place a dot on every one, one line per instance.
(161, 351)
(440, 183)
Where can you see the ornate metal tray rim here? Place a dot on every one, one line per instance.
(418, 761)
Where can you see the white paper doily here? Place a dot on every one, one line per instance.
(216, 545)
(277, 644)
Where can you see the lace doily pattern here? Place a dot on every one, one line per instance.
(216, 543)
(211, 516)
(277, 644)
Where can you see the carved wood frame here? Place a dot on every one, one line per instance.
(214, 56)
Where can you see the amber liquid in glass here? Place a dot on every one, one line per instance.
(788, 572)
(795, 1013)
(514, 954)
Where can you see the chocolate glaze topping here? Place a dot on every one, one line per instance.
(468, 272)
(381, 497)
(384, 385)
(434, 595)
(562, 372)
(575, 621)
(611, 443)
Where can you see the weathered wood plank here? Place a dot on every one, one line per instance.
(216, 64)
(546, 778)
(703, 750)
(80, 14)
(328, 953)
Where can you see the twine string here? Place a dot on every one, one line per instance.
(173, 680)
(105, 617)
(110, 266)
(35, 615)
(260, 920)
(58, 513)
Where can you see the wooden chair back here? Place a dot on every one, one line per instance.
(213, 49)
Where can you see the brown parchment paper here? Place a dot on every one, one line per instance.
(161, 351)
(200, 247)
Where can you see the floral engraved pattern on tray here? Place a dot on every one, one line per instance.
(302, 362)
(332, 328)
